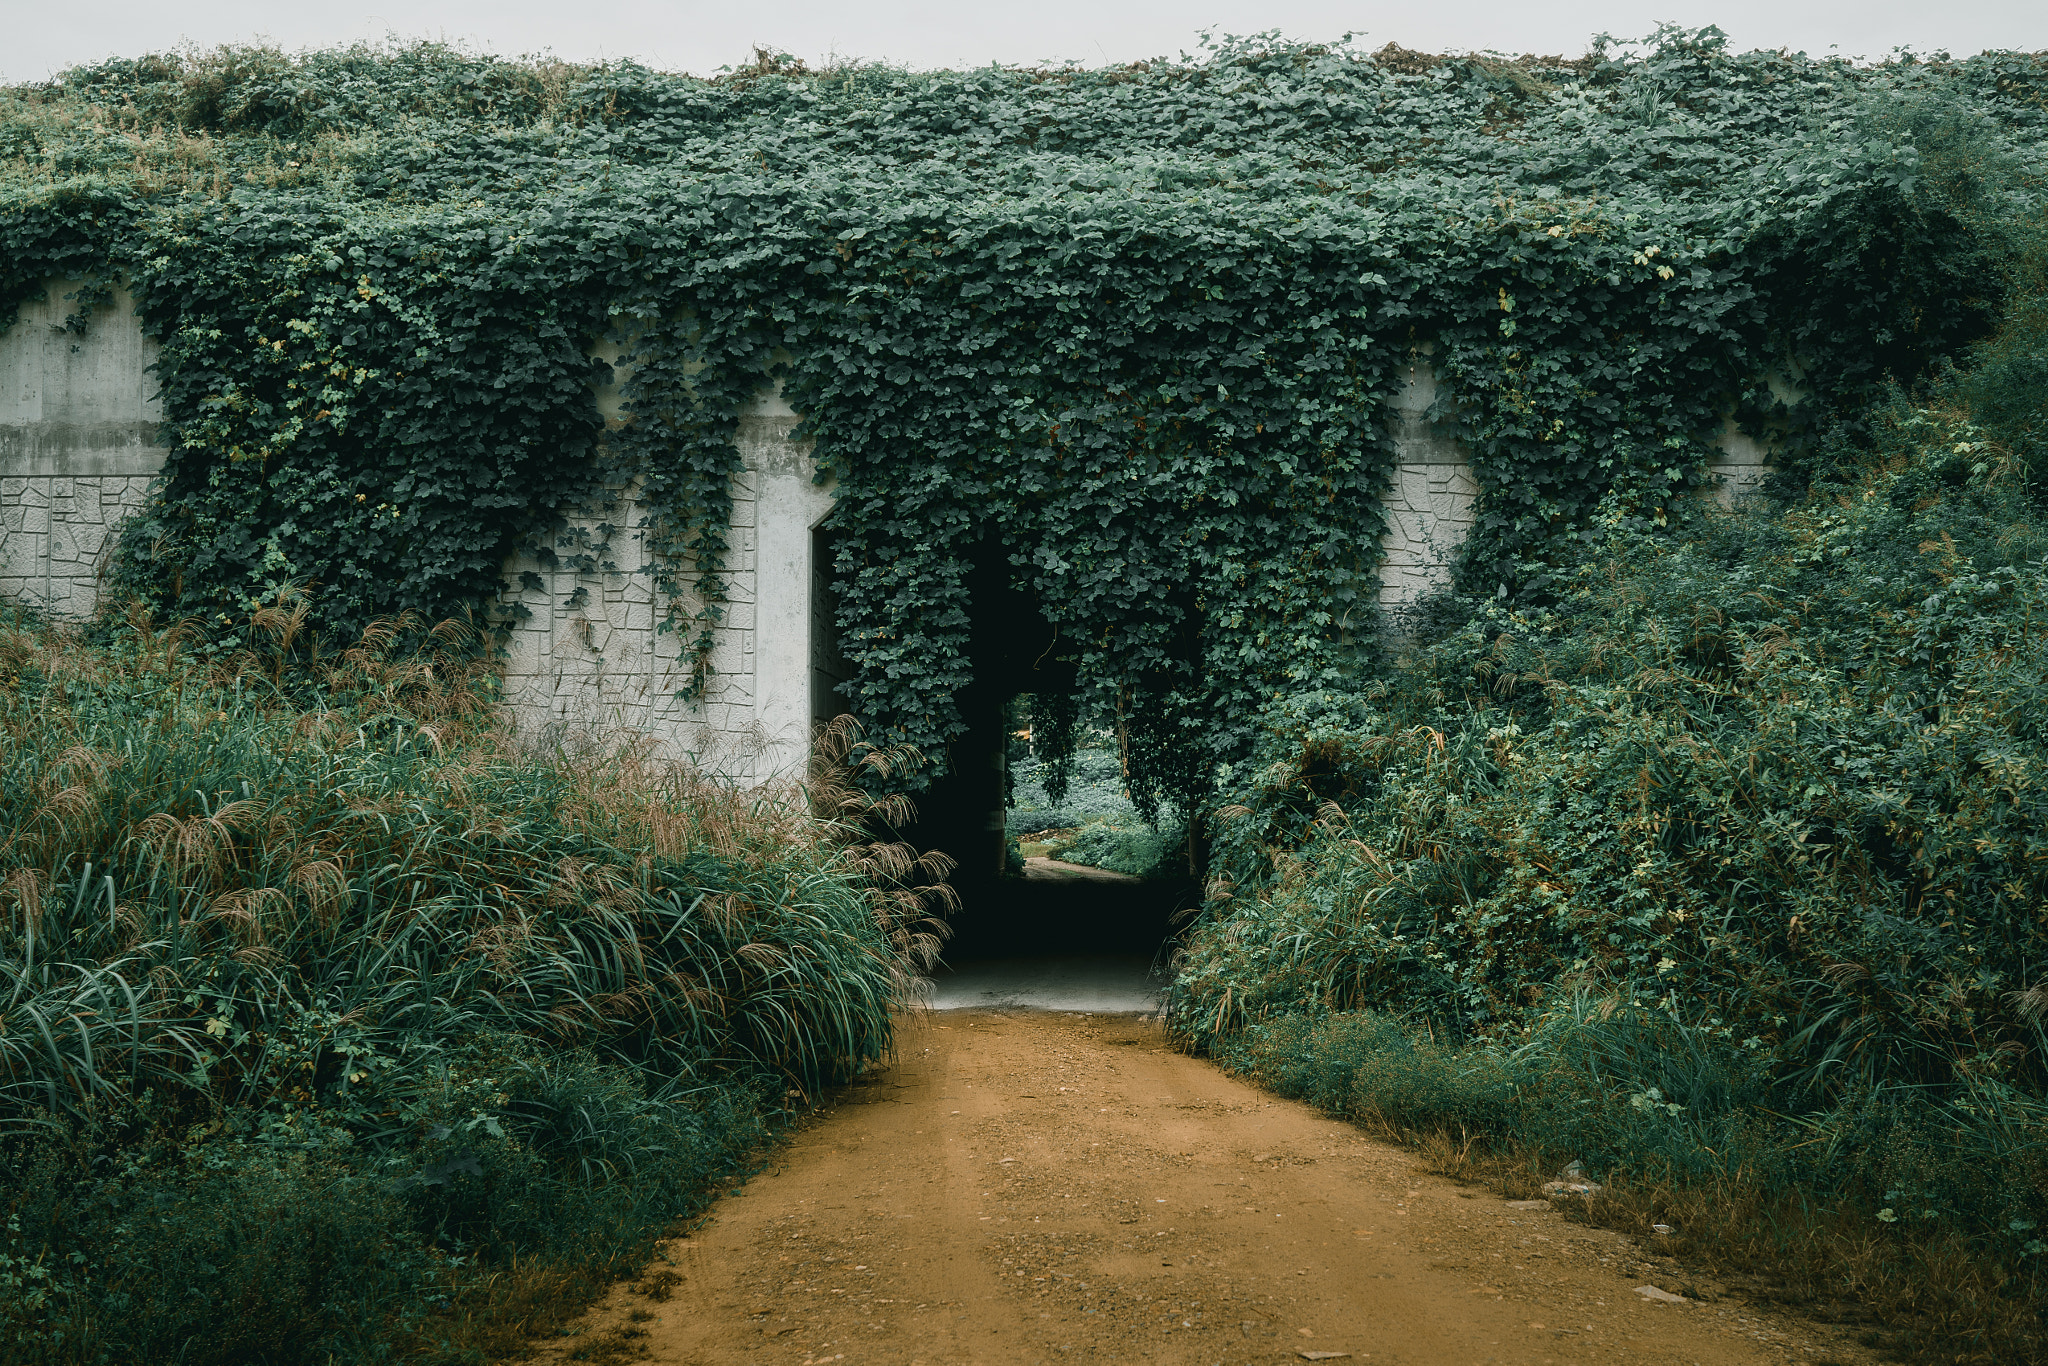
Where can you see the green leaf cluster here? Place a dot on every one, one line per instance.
(1771, 792)
(1717, 770)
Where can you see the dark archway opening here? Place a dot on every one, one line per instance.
(1044, 914)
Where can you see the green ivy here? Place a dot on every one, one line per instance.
(1133, 333)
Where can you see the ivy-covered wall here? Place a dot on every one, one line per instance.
(80, 447)
(1137, 339)
(583, 652)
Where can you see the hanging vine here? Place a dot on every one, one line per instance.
(1136, 331)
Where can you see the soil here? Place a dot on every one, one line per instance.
(1041, 1187)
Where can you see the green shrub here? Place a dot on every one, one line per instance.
(243, 1241)
(1128, 847)
(1094, 791)
(1370, 1067)
(1729, 862)
(2007, 388)
(1636, 1095)
(321, 991)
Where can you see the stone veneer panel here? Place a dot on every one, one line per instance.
(589, 657)
(1429, 501)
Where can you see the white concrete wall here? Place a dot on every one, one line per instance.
(591, 664)
(789, 504)
(78, 421)
(1429, 504)
(1745, 461)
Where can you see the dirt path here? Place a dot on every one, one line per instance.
(1039, 1187)
(1039, 868)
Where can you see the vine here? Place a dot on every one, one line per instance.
(1137, 332)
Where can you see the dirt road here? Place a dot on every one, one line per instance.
(1039, 1187)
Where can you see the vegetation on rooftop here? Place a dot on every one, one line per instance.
(1155, 314)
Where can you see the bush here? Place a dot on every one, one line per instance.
(326, 994)
(1371, 1068)
(255, 1242)
(1134, 849)
(1722, 871)
(1773, 770)
(1094, 791)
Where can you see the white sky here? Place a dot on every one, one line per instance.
(38, 37)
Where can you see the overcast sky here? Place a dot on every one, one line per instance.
(39, 37)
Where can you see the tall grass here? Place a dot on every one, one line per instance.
(1842, 1215)
(308, 972)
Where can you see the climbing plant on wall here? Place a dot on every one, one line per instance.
(1133, 333)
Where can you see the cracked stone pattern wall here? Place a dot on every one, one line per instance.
(1429, 501)
(78, 430)
(586, 655)
(593, 649)
(54, 535)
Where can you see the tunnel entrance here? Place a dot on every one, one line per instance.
(1054, 933)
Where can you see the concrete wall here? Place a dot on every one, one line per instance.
(77, 447)
(78, 425)
(78, 432)
(589, 656)
(1744, 464)
(1429, 505)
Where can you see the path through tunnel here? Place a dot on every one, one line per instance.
(1053, 935)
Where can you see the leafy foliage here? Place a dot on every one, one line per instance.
(1782, 766)
(1148, 321)
(1726, 866)
(1124, 846)
(1094, 820)
(1088, 777)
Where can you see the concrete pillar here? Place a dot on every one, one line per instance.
(789, 504)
